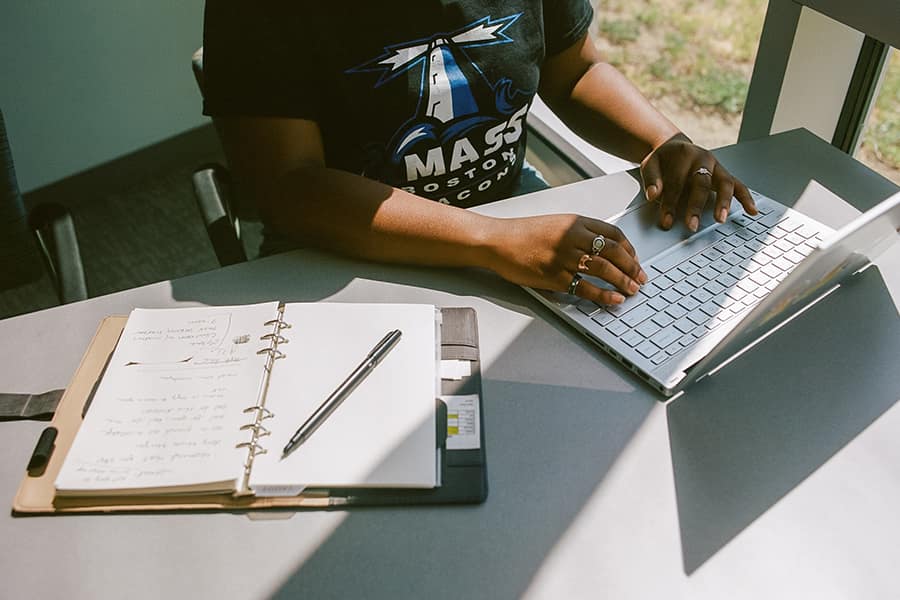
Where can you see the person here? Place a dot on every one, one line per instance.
(366, 128)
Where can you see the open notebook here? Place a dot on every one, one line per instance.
(201, 400)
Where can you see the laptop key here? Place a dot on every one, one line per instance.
(666, 337)
(602, 317)
(671, 296)
(794, 238)
(647, 328)
(714, 287)
(701, 296)
(587, 307)
(676, 311)
(687, 304)
(630, 303)
(646, 349)
(632, 338)
(633, 317)
(696, 281)
(700, 261)
(659, 358)
(684, 325)
(698, 317)
(727, 279)
(658, 303)
(651, 289)
(708, 273)
(616, 327)
(684, 288)
(710, 308)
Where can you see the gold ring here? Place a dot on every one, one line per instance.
(584, 263)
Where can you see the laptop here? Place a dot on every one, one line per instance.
(712, 294)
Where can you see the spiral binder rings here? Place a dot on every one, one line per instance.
(259, 410)
(458, 462)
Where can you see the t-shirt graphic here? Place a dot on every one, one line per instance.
(466, 133)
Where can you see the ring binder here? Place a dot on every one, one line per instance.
(280, 339)
(279, 323)
(272, 351)
(254, 448)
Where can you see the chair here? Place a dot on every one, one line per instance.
(215, 198)
(38, 242)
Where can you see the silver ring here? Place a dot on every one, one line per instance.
(598, 244)
(703, 171)
(576, 279)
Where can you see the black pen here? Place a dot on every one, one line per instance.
(368, 364)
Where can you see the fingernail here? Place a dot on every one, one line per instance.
(667, 220)
(753, 209)
(723, 214)
(617, 299)
(651, 192)
(642, 277)
(694, 223)
(633, 287)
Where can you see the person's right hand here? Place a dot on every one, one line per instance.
(549, 251)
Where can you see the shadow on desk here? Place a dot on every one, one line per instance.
(318, 276)
(743, 439)
(544, 463)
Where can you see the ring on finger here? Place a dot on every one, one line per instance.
(585, 262)
(574, 285)
(598, 244)
(703, 171)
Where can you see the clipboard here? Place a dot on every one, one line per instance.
(463, 470)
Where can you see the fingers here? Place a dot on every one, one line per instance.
(743, 195)
(673, 184)
(613, 233)
(699, 187)
(616, 264)
(651, 174)
(680, 175)
(587, 290)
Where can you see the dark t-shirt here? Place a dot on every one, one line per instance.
(425, 95)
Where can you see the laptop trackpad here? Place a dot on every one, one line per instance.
(640, 225)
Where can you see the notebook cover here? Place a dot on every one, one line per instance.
(463, 472)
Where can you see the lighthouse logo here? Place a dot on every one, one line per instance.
(462, 138)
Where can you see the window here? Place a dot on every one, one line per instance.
(880, 141)
(692, 58)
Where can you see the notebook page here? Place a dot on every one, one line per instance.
(383, 434)
(167, 413)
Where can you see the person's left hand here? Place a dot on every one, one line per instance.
(681, 175)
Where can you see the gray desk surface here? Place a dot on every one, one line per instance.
(755, 489)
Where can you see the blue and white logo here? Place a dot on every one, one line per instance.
(463, 135)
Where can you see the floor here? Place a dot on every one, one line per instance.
(142, 233)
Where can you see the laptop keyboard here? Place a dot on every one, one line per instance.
(715, 277)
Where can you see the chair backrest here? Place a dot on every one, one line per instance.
(39, 243)
(215, 196)
(19, 254)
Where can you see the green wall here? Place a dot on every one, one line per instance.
(87, 81)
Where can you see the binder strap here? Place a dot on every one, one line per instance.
(259, 410)
(37, 407)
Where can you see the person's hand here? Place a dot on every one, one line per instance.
(680, 175)
(553, 252)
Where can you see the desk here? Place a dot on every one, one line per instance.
(596, 488)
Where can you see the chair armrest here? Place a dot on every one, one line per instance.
(55, 233)
(211, 190)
